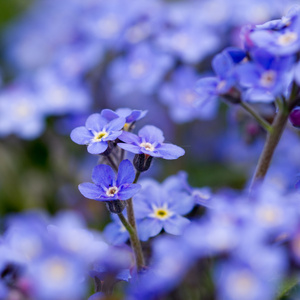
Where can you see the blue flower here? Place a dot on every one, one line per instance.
(115, 232)
(184, 103)
(266, 76)
(97, 132)
(130, 115)
(106, 187)
(156, 208)
(150, 142)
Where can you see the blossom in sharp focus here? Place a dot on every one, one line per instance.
(130, 115)
(106, 187)
(97, 132)
(149, 141)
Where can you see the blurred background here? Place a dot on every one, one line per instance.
(63, 60)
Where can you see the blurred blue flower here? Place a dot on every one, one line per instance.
(156, 209)
(144, 69)
(184, 103)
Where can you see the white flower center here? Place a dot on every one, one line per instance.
(242, 283)
(112, 191)
(268, 78)
(108, 26)
(188, 97)
(287, 38)
(147, 146)
(138, 69)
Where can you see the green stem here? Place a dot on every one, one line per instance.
(126, 223)
(263, 123)
(274, 136)
(130, 225)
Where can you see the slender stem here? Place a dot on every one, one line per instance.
(263, 123)
(126, 224)
(135, 242)
(137, 175)
(272, 140)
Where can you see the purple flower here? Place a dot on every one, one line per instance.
(158, 209)
(279, 37)
(184, 103)
(223, 84)
(144, 69)
(130, 115)
(266, 76)
(97, 132)
(106, 187)
(150, 142)
(115, 232)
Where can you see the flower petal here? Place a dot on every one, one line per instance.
(97, 147)
(131, 148)
(103, 175)
(95, 122)
(81, 135)
(115, 124)
(90, 190)
(129, 138)
(176, 224)
(151, 134)
(170, 151)
(128, 190)
(126, 173)
(149, 227)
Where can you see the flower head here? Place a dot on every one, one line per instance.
(97, 132)
(131, 116)
(106, 187)
(150, 142)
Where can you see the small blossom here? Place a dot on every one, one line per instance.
(106, 187)
(131, 116)
(97, 132)
(157, 209)
(150, 142)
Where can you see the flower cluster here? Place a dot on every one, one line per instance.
(43, 258)
(95, 39)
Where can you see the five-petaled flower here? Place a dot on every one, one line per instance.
(106, 187)
(97, 132)
(150, 142)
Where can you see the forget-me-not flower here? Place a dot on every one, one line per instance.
(97, 132)
(106, 187)
(150, 141)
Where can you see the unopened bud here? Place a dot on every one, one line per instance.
(116, 206)
(142, 162)
(295, 117)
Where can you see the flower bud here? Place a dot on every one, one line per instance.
(115, 206)
(142, 162)
(295, 117)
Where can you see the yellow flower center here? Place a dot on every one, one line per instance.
(126, 126)
(100, 135)
(161, 213)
